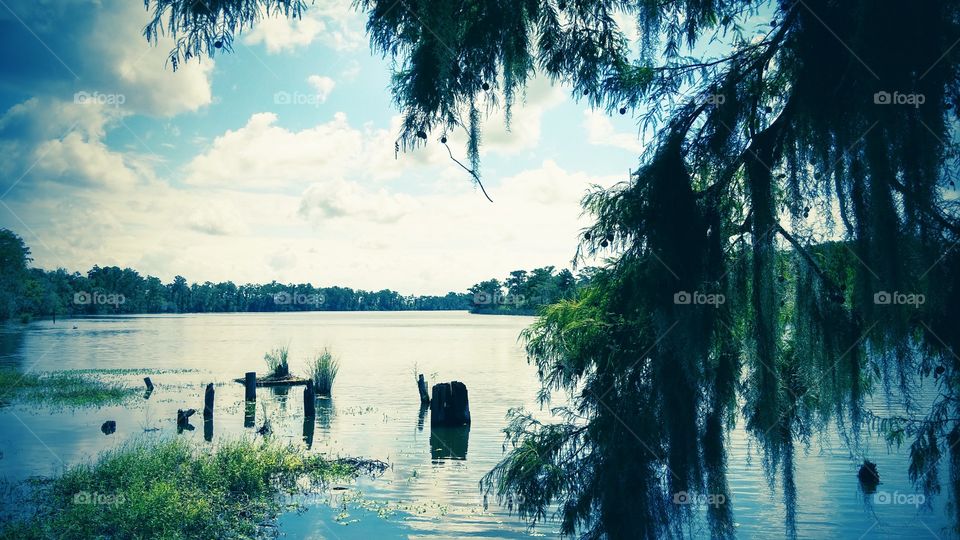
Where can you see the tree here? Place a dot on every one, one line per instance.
(14, 256)
(789, 215)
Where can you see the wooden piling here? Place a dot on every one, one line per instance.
(208, 401)
(450, 405)
(251, 384)
(149, 383)
(309, 401)
(422, 387)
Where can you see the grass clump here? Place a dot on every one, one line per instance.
(276, 360)
(173, 489)
(61, 389)
(323, 370)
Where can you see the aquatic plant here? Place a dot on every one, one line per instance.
(323, 370)
(173, 489)
(61, 389)
(276, 360)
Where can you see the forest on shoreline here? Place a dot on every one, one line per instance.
(30, 293)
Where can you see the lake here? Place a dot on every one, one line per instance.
(431, 488)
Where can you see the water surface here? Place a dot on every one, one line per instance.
(431, 488)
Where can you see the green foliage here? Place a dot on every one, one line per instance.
(171, 489)
(61, 389)
(276, 360)
(754, 154)
(524, 292)
(323, 371)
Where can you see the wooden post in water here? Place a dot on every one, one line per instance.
(422, 387)
(309, 401)
(149, 383)
(251, 383)
(450, 405)
(208, 401)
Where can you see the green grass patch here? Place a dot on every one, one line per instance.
(61, 389)
(126, 371)
(175, 489)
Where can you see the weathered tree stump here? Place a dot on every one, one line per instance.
(208, 401)
(208, 428)
(449, 405)
(251, 384)
(309, 401)
(109, 427)
(183, 417)
(422, 387)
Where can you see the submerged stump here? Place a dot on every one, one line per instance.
(450, 405)
(251, 384)
(208, 401)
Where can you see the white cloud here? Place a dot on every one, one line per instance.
(261, 154)
(67, 47)
(333, 22)
(341, 199)
(601, 132)
(526, 121)
(323, 85)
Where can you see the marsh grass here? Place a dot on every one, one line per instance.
(67, 389)
(323, 370)
(276, 360)
(172, 489)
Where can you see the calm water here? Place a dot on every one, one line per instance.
(431, 488)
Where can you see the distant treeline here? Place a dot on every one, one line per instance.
(27, 293)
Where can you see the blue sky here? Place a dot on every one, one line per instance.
(274, 162)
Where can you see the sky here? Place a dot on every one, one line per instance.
(274, 162)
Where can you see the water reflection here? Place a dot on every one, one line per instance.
(11, 342)
(249, 414)
(422, 416)
(308, 428)
(325, 412)
(449, 442)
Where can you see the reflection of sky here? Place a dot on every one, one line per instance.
(375, 411)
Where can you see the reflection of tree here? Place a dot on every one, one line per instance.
(449, 442)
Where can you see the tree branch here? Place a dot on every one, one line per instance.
(469, 170)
